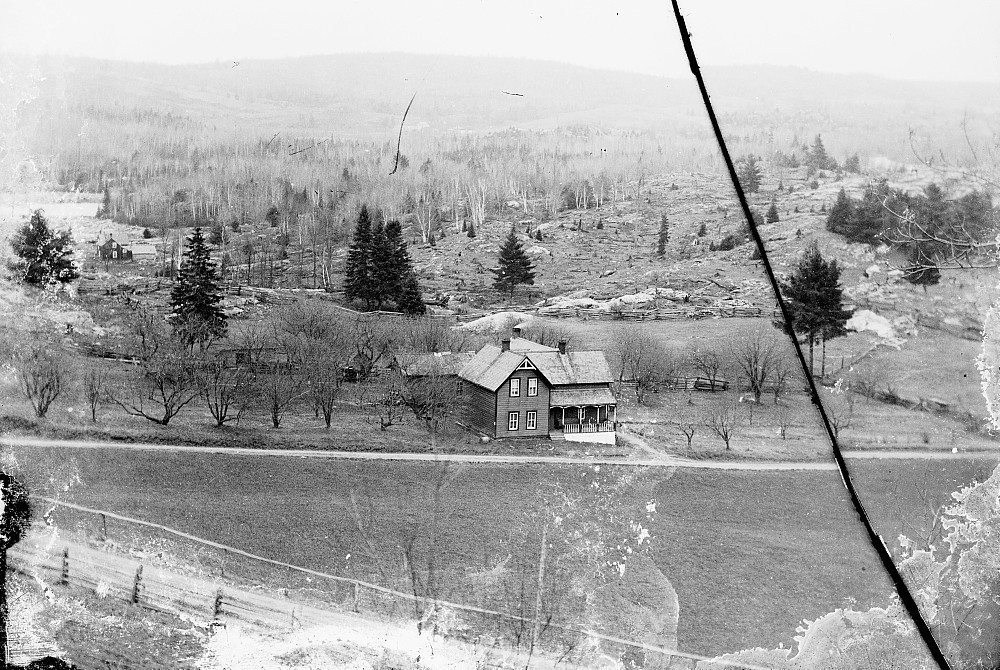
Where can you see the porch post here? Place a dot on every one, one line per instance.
(564, 417)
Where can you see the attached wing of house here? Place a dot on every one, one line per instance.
(523, 389)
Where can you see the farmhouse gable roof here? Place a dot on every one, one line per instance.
(491, 366)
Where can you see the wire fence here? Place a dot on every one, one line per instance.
(211, 595)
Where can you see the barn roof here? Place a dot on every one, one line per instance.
(491, 366)
(421, 365)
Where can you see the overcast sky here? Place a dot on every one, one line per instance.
(907, 39)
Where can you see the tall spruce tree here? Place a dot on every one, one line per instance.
(410, 300)
(815, 300)
(359, 273)
(43, 256)
(196, 313)
(384, 282)
(772, 213)
(749, 174)
(663, 236)
(514, 265)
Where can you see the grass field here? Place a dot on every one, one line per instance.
(750, 554)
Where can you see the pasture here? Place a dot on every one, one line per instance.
(750, 554)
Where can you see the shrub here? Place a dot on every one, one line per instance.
(146, 233)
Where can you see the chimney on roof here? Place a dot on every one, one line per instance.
(505, 345)
(562, 346)
(516, 330)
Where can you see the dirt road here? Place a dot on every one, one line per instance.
(654, 459)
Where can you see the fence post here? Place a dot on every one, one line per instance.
(64, 573)
(357, 598)
(217, 604)
(104, 527)
(137, 585)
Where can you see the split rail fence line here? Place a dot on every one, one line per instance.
(125, 578)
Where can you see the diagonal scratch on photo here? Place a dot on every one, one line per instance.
(477, 335)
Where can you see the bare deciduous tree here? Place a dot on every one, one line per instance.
(41, 375)
(160, 386)
(225, 389)
(710, 363)
(429, 392)
(642, 360)
(756, 355)
(381, 401)
(723, 419)
(95, 387)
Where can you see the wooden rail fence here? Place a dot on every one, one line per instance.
(123, 577)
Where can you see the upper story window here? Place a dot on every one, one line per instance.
(515, 387)
(532, 386)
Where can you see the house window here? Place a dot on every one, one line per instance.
(458, 388)
(531, 420)
(515, 387)
(532, 386)
(512, 420)
(114, 254)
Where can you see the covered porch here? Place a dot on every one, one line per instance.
(582, 416)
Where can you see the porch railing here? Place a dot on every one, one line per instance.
(593, 427)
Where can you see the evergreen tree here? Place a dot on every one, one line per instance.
(401, 269)
(772, 213)
(749, 174)
(105, 211)
(384, 279)
(663, 236)
(471, 232)
(853, 164)
(358, 273)
(514, 265)
(410, 299)
(841, 217)
(818, 158)
(195, 300)
(815, 299)
(43, 256)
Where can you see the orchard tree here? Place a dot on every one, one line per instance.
(514, 265)
(43, 256)
(815, 300)
(42, 375)
(196, 314)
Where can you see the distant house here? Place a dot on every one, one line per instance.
(526, 389)
(113, 247)
(143, 251)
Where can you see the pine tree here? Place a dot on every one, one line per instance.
(195, 300)
(815, 299)
(749, 174)
(43, 256)
(514, 266)
(853, 164)
(772, 213)
(410, 299)
(471, 232)
(663, 236)
(358, 272)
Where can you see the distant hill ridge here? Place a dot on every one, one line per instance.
(367, 92)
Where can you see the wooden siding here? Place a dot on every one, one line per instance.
(479, 407)
(521, 405)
